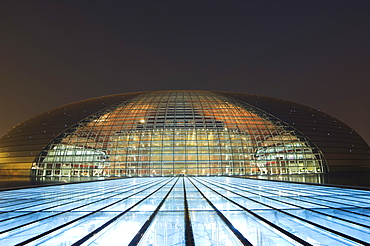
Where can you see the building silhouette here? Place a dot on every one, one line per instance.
(168, 133)
(171, 168)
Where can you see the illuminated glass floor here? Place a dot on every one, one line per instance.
(185, 211)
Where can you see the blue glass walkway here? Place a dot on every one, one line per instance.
(185, 211)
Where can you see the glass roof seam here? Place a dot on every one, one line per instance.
(79, 218)
(78, 194)
(106, 224)
(281, 230)
(141, 232)
(311, 210)
(189, 236)
(239, 235)
(227, 194)
(289, 214)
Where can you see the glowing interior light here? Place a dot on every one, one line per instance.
(164, 133)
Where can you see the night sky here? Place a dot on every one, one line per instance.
(316, 53)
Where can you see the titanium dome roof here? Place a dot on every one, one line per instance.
(167, 133)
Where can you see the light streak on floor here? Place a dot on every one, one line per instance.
(185, 211)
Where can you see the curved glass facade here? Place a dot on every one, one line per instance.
(171, 133)
(343, 148)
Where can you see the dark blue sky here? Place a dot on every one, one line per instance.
(316, 53)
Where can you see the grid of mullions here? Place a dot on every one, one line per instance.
(154, 211)
(172, 133)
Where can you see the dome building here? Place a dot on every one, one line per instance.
(171, 133)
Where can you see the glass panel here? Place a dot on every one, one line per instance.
(257, 232)
(179, 133)
(23, 233)
(122, 231)
(168, 228)
(302, 229)
(210, 230)
(110, 200)
(75, 231)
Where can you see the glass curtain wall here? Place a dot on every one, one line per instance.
(172, 133)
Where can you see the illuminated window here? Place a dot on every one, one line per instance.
(179, 132)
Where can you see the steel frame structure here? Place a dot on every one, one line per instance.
(185, 211)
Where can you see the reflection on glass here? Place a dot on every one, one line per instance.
(111, 212)
(179, 133)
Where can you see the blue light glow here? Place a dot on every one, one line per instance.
(152, 211)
